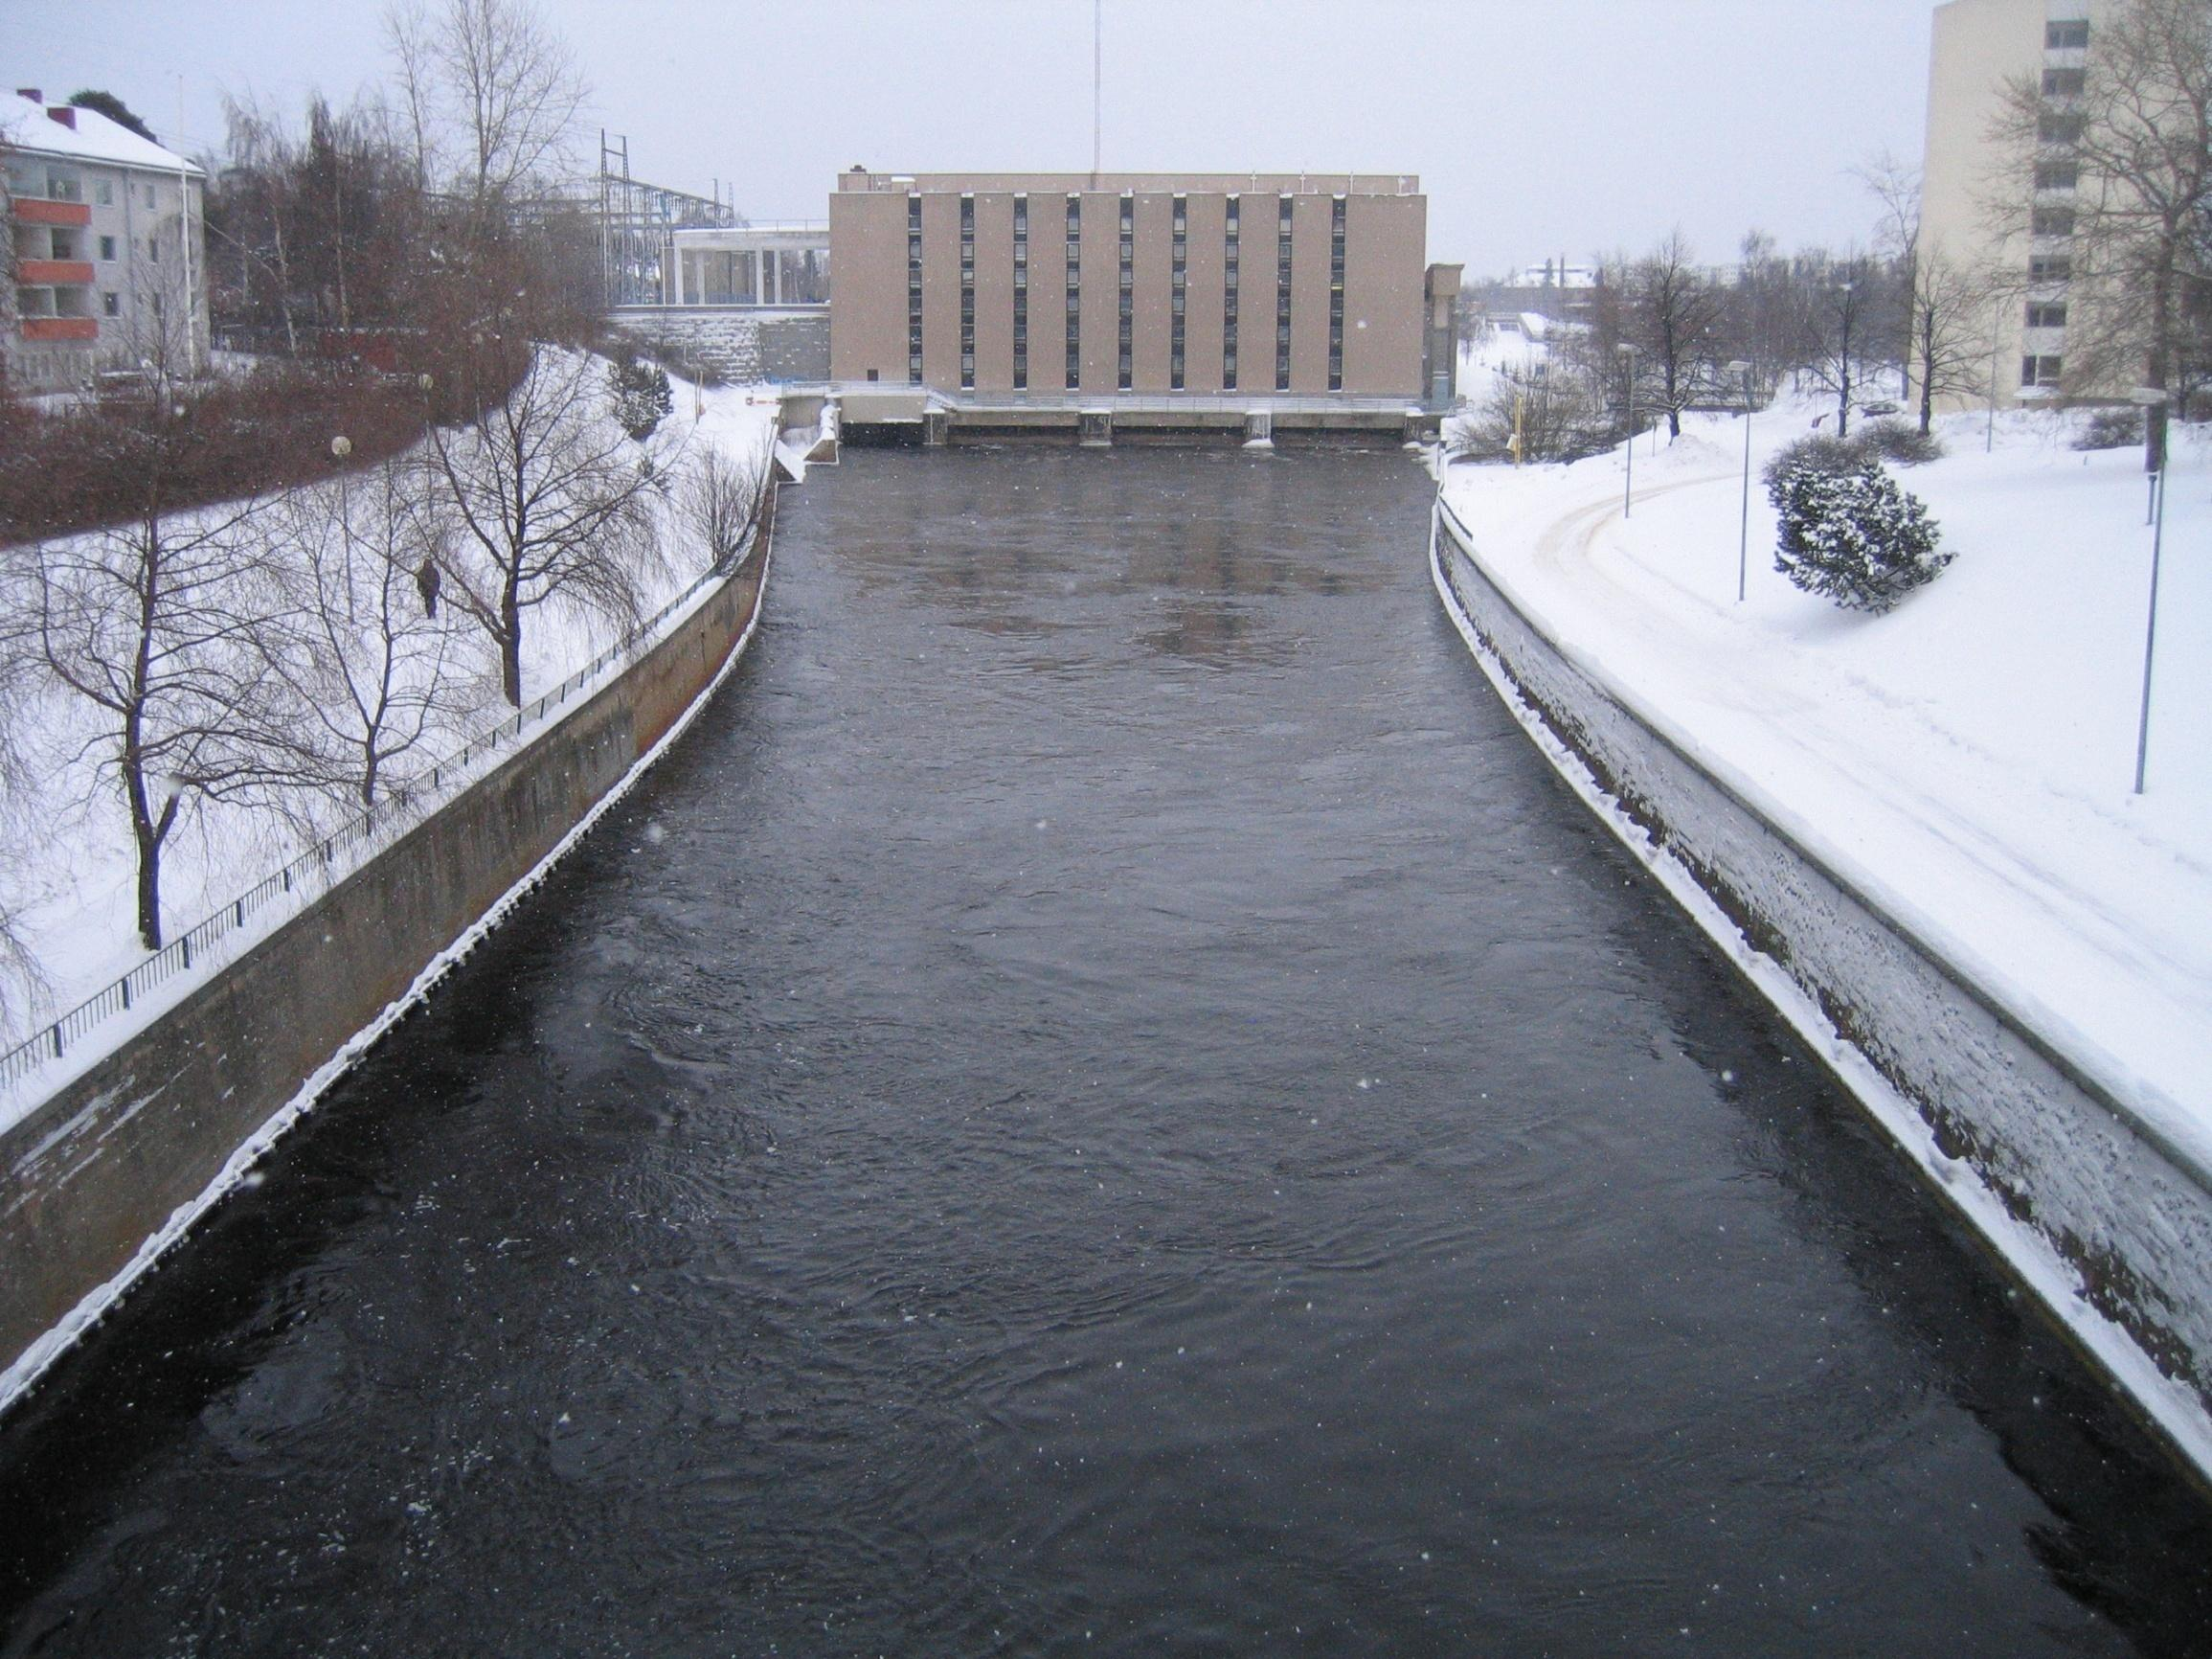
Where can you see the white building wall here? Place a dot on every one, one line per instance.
(1978, 46)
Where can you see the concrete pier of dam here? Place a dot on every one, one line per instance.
(915, 415)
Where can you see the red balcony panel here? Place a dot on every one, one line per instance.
(36, 211)
(61, 327)
(54, 273)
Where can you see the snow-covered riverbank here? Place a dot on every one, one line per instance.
(71, 891)
(1969, 759)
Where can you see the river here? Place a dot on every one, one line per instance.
(1104, 1100)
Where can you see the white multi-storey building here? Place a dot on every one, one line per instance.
(1993, 212)
(110, 260)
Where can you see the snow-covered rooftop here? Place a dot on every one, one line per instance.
(26, 125)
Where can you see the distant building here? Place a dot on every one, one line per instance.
(1553, 290)
(752, 264)
(110, 257)
(1978, 46)
(1257, 284)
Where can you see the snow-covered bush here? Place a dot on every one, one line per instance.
(1818, 453)
(1559, 418)
(1901, 443)
(2111, 429)
(1851, 535)
(641, 396)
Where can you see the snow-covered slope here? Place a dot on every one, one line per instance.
(1968, 758)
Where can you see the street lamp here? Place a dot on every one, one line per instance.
(1627, 355)
(2152, 400)
(1995, 346)
(1741, 371)
(342, 447)
(1843, 363)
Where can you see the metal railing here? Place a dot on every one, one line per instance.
(338, 853)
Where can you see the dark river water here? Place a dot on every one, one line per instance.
(1103, 1101)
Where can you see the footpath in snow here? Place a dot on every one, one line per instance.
(1968, 760)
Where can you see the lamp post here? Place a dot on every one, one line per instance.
(1988, 432)
(1627, 354)
(1743, 372)
(2152, 401)
(1843, 362)
(342, 447)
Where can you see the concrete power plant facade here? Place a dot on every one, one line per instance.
(1250, 284)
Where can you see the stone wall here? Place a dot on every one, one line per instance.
(745, 345)
(95, 1182)
(2108, 1225)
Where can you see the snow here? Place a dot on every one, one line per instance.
(70, 892)
(25, 125)
(1498, 354)
(733, 416)
(1967, 760)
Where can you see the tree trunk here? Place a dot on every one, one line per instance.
(1926, 377)
(150, 833)
(510, 646)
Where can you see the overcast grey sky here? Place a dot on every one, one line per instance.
(1538, 127)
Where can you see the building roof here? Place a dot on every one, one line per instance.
(860, 178)
(25, 124)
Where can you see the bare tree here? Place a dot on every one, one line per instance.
(9, 257)
(2135, 135)
(1846, 309)
(1895, 187)
(1946, 310)
(492, 94)
(160, 627)
(1767, 319)
(723, 497)
(553, 503)
(1673, 313)
(250, 217)
(379, 674)
(1558, 415)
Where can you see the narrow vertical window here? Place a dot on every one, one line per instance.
(913, 290)
(1021, 293)
(967, 293)
(1282, 294)
(1336, 294)
(1179, 251)
(1125, 361)
(1229, 255)
(1074, 291)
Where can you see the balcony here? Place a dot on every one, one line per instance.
(32, 209)
(51, 329)
(54, 273)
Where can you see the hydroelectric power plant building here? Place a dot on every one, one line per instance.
(1253, 302)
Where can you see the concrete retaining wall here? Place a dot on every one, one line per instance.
(2112, 1227)
(746, 345)
(109, 1171)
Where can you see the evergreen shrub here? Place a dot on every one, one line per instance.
(2111, 429)
(1901, 443)
(643, 400)
(1848, 533)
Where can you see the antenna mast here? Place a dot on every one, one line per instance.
(1097, 80)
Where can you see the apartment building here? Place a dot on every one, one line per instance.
(1967, 180)
(109, 252)
(1009, 284)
